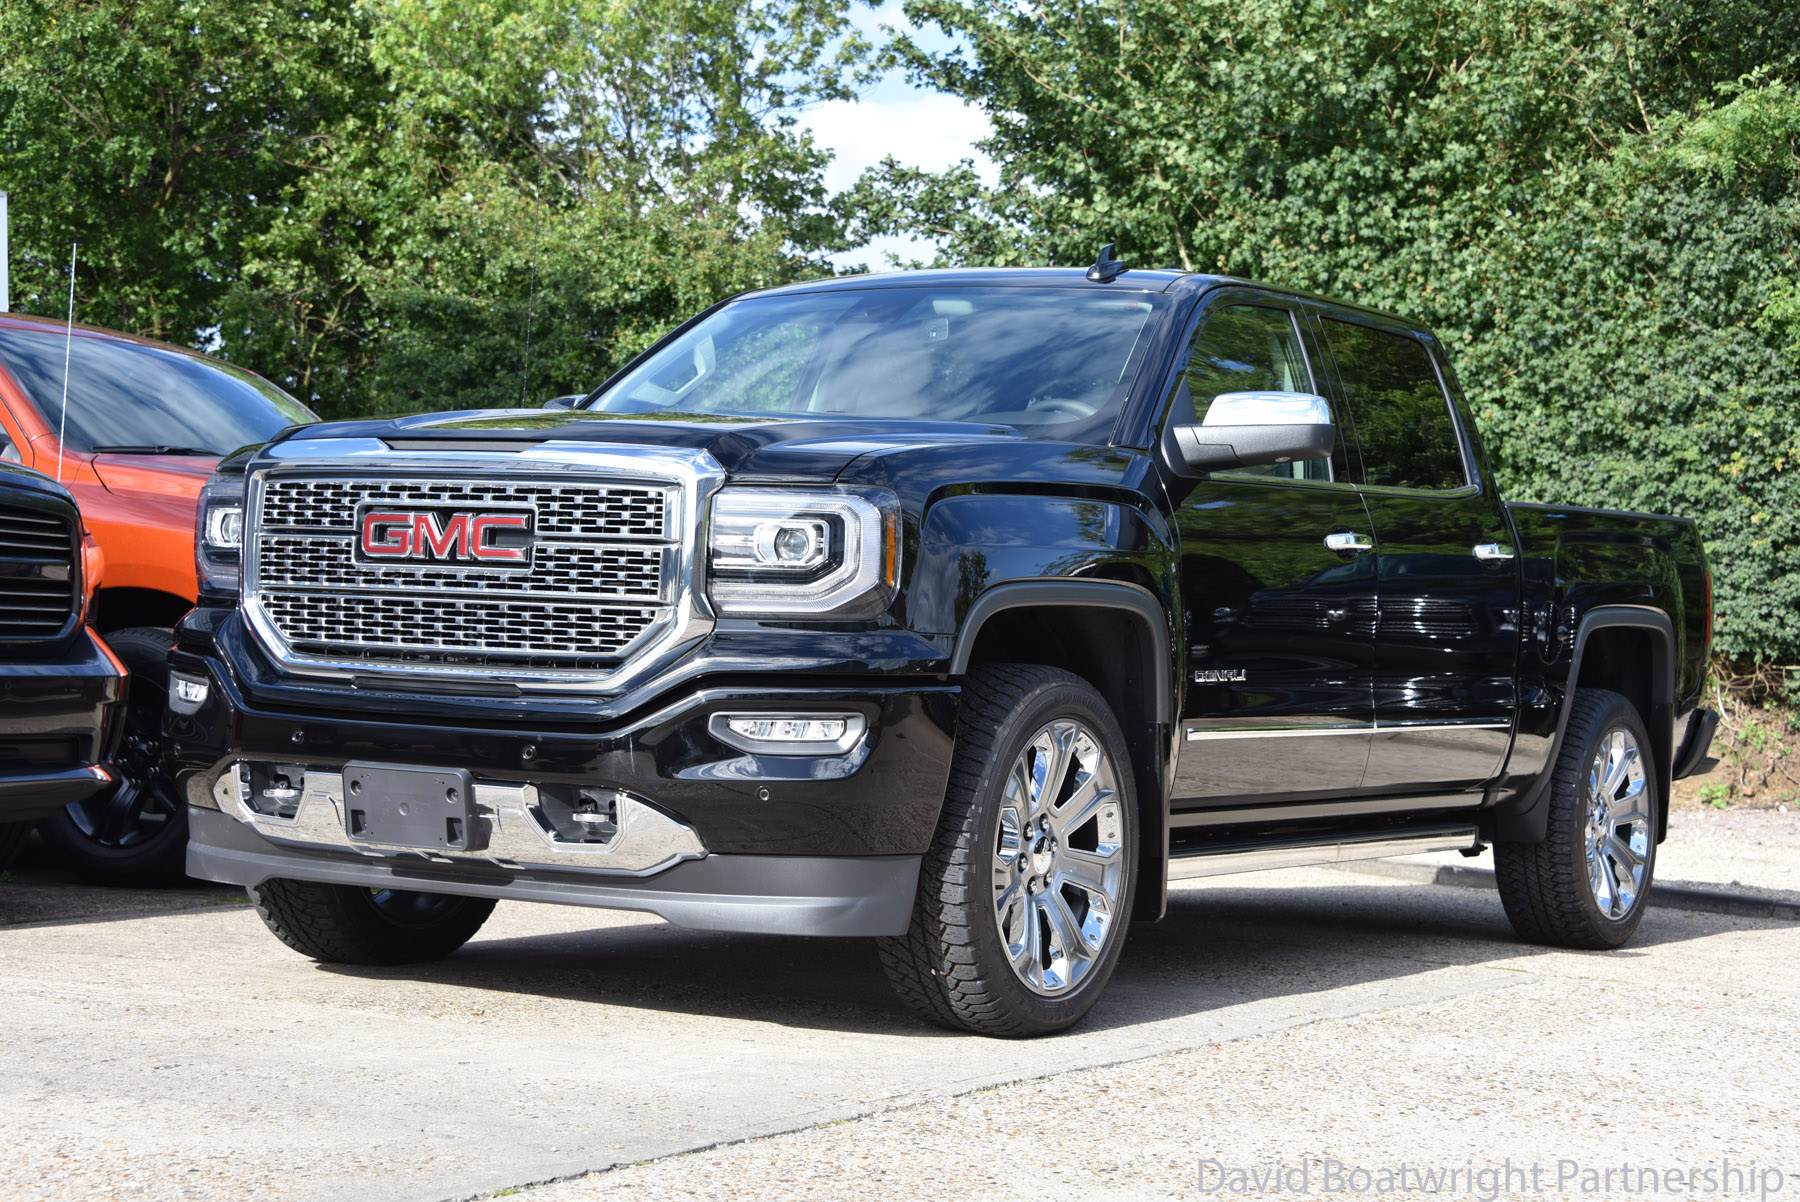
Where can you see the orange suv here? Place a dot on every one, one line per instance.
(132, 428)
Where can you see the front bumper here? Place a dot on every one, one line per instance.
(775, 895)
(701, 832)
(60, 720)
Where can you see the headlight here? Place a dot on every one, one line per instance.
(783, 551)
(219, 533)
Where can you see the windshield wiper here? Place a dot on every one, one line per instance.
(156, 450)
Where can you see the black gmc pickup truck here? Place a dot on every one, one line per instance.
(62, 690)
(964, 610)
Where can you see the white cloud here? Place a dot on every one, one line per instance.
(919, 128)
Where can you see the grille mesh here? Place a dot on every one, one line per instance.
(601, 575)
(573, 570)
(584, 510)
(323, 623)
(37, 574)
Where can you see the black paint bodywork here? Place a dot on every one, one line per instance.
(61, 697)
(1183, 578)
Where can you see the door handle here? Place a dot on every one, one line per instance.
(1345, 542)
(1493, 551)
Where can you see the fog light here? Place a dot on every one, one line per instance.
(187, 693)
(789, 734)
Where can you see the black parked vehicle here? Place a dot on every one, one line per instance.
(62, 691)
(964, 610)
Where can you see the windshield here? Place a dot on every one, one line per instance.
(1051, 362)
(123, 395)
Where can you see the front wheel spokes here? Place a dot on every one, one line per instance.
(1058, 864)
(1050, 766)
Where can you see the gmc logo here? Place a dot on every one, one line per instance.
(480, 539)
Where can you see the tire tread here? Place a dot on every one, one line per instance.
(934, 966)
(1545, 894)
(331, 924)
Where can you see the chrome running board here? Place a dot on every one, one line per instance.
(1335, 849)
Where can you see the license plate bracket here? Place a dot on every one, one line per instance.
(431, 809)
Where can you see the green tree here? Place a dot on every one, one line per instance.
(550, 186)
(383, 203)
(1594, 203)
(161, 135)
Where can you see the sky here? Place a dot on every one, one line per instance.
(918, 127)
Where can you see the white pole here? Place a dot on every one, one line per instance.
(5, 304)
(62, 426)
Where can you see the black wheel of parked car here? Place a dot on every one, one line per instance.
(344, 924)
(1025, 895)
(1586, 884)
(12, 838)
(136, 832)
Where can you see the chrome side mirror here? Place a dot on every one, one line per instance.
(564, 402)
(1247, 429)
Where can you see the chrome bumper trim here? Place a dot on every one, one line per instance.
(647, 840)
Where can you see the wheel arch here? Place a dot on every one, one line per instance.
(118, 608)
(1631, 650)
(1114, 635)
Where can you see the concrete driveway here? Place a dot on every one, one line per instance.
(184, 1053)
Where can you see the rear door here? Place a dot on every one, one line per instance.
(1280, 625)
(1446, 635)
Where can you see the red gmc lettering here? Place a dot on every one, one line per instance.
(388, 534)
(421, 536)
(481, 524)
(440, 544)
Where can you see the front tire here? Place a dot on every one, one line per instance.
(1586, 885)
(1024, 896)
(136, 832)
(343, 924)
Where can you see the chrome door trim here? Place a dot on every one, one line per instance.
(1301, 732)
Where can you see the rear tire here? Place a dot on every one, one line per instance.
(344, 924)
(136, 832)
(1586, 885)
(1025, 895)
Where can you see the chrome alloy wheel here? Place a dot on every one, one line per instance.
(1059, 862)
(1618, 824)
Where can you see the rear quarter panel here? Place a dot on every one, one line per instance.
(1575, 560)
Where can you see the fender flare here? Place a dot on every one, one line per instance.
(1076, 594)
(1529, 820)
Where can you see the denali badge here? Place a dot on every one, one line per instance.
(499, 539)
(1218, 675)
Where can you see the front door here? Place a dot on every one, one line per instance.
(1278, 585)
(1446, 638)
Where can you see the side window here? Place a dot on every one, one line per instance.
(1401, 414)
(1246, 348)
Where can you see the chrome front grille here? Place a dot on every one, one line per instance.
(603, 575)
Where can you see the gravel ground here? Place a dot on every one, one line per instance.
(164, 1046)
(1676, 1054)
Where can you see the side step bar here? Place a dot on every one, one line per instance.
(1228, 858)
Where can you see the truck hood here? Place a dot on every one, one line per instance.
(748, 448)
(166, 477)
